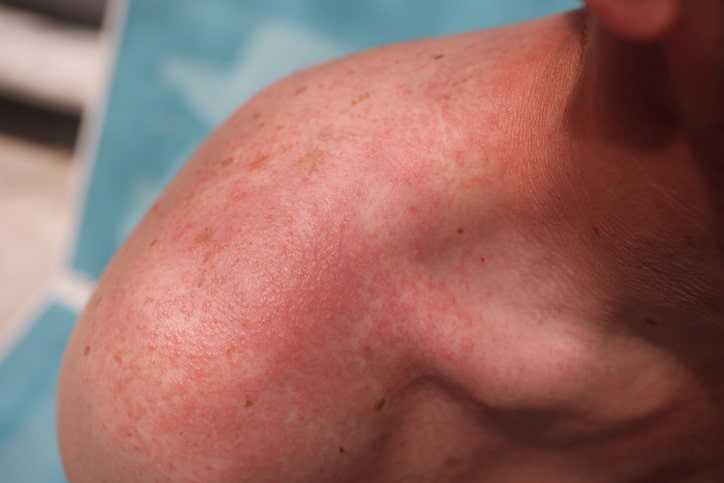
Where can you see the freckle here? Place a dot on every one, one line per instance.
(148, 300)
(129, 434)
(651, 321)
(720, 247)
(279, 127)
(380, 404)
(231, 355)
(208, 467)
(311, 160)
(153, 242)
(460, 230)
(451, 462)
(362, 97)
(438, 57)
(118, 357)
(301, 90)
(256, 115)
(249, 403)
(257, 163)
(368, 354)
(204, 236)
(86, 351)
(226, 161)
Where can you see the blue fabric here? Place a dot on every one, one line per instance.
(28, 379)
(184, 65)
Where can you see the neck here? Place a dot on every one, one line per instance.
(620, 183)
(644, 196)
(622, 215)
(636, 213)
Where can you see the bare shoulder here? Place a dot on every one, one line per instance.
(258, 318)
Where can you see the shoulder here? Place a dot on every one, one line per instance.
(273, 269)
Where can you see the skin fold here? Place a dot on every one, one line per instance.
(494, 256)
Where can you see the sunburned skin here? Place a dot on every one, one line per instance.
(406, 266)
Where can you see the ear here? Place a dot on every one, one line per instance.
(639, 20)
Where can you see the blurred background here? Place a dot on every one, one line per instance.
(101, 102)
(52, 55)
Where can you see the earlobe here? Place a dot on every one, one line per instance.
(638, 20)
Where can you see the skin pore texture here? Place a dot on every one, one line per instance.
(495, 256)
